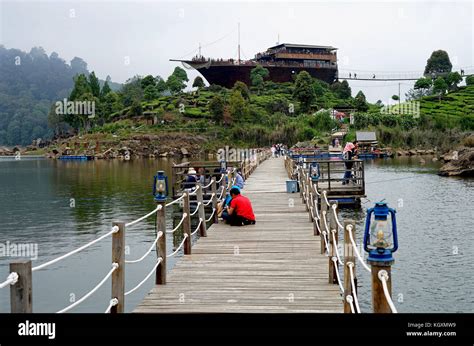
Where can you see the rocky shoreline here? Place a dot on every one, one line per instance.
(138, 146)
(458, 163)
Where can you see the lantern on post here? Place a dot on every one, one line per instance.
(380, 236)
(381, 241)
(160, 186)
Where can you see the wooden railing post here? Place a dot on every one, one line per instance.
(379, 301)
(187, 223)
(308, 196)
(201, 212)
(21, 293)
(214, 200)
(118, 276)
(324, 208)
(332, 245)
(161, 244)
(348, 259)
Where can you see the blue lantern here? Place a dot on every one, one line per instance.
(160, 186)
(380, 236)
(314, 171)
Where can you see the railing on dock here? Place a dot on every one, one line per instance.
(21, 272)
(324, 216)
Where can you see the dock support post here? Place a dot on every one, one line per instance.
(379, 302)
(21, 293)
(322, 226)
(118, 276)
(214, 200)
(201, 212)
(349, 260)
(332, 245)
(161, 244)
(187, 223)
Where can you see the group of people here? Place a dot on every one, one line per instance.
(235, 209)
(277, 150)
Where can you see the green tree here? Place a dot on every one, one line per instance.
(131, 90)
(257, 77)
(148, 81)
(81, 87)
(175, 84)
(341, 89)
(438, 62)
(360, 102)
(216, 107)
(160, 84)
(470, 80)
(423, 83)
(304, 91)
(111, 104)
(243, 89)
(237, 106)
(395, 97)
(180, 74)
(198, 83)
(105, 90)
(94, 84)
(453, 79)
(440, 86)
(136, 108)
(150, 93)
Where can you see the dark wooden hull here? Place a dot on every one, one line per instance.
(227, 75)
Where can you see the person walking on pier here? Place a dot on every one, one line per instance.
(240, 209)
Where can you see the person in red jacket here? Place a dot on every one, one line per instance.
(240, 209)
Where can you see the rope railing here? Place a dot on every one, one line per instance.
(174, 201)
(179, 247)
(60, 258)
(179, 224)
(353, 286)
(334, 210)
(209, 201)
(208, 185)
(354, 246)
(383, 276)
(91, 292)
(196, 210)
(160, 259)
(335, 260)
(333, 232)
(222, 177)
(159, 235)
(197, 228)
(195, 190)
(12, 279)
(212, 214)
(113, 302)
(144, 217)
(222, 193)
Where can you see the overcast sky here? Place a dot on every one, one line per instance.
(377, 36)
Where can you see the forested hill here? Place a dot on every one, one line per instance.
(29, 83)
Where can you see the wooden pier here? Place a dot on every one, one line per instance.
(273, 266)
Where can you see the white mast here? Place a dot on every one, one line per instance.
(239, 44)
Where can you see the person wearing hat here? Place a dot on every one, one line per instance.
(191, 179)
(239, 209)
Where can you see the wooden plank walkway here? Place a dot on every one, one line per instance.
(274, 266)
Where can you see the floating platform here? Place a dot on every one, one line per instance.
(76, 157)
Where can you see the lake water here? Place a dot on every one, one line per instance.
(62, 205)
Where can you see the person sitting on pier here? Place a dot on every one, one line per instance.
(348, 154)
(239, 180)
(240, 211)
(191, 179)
